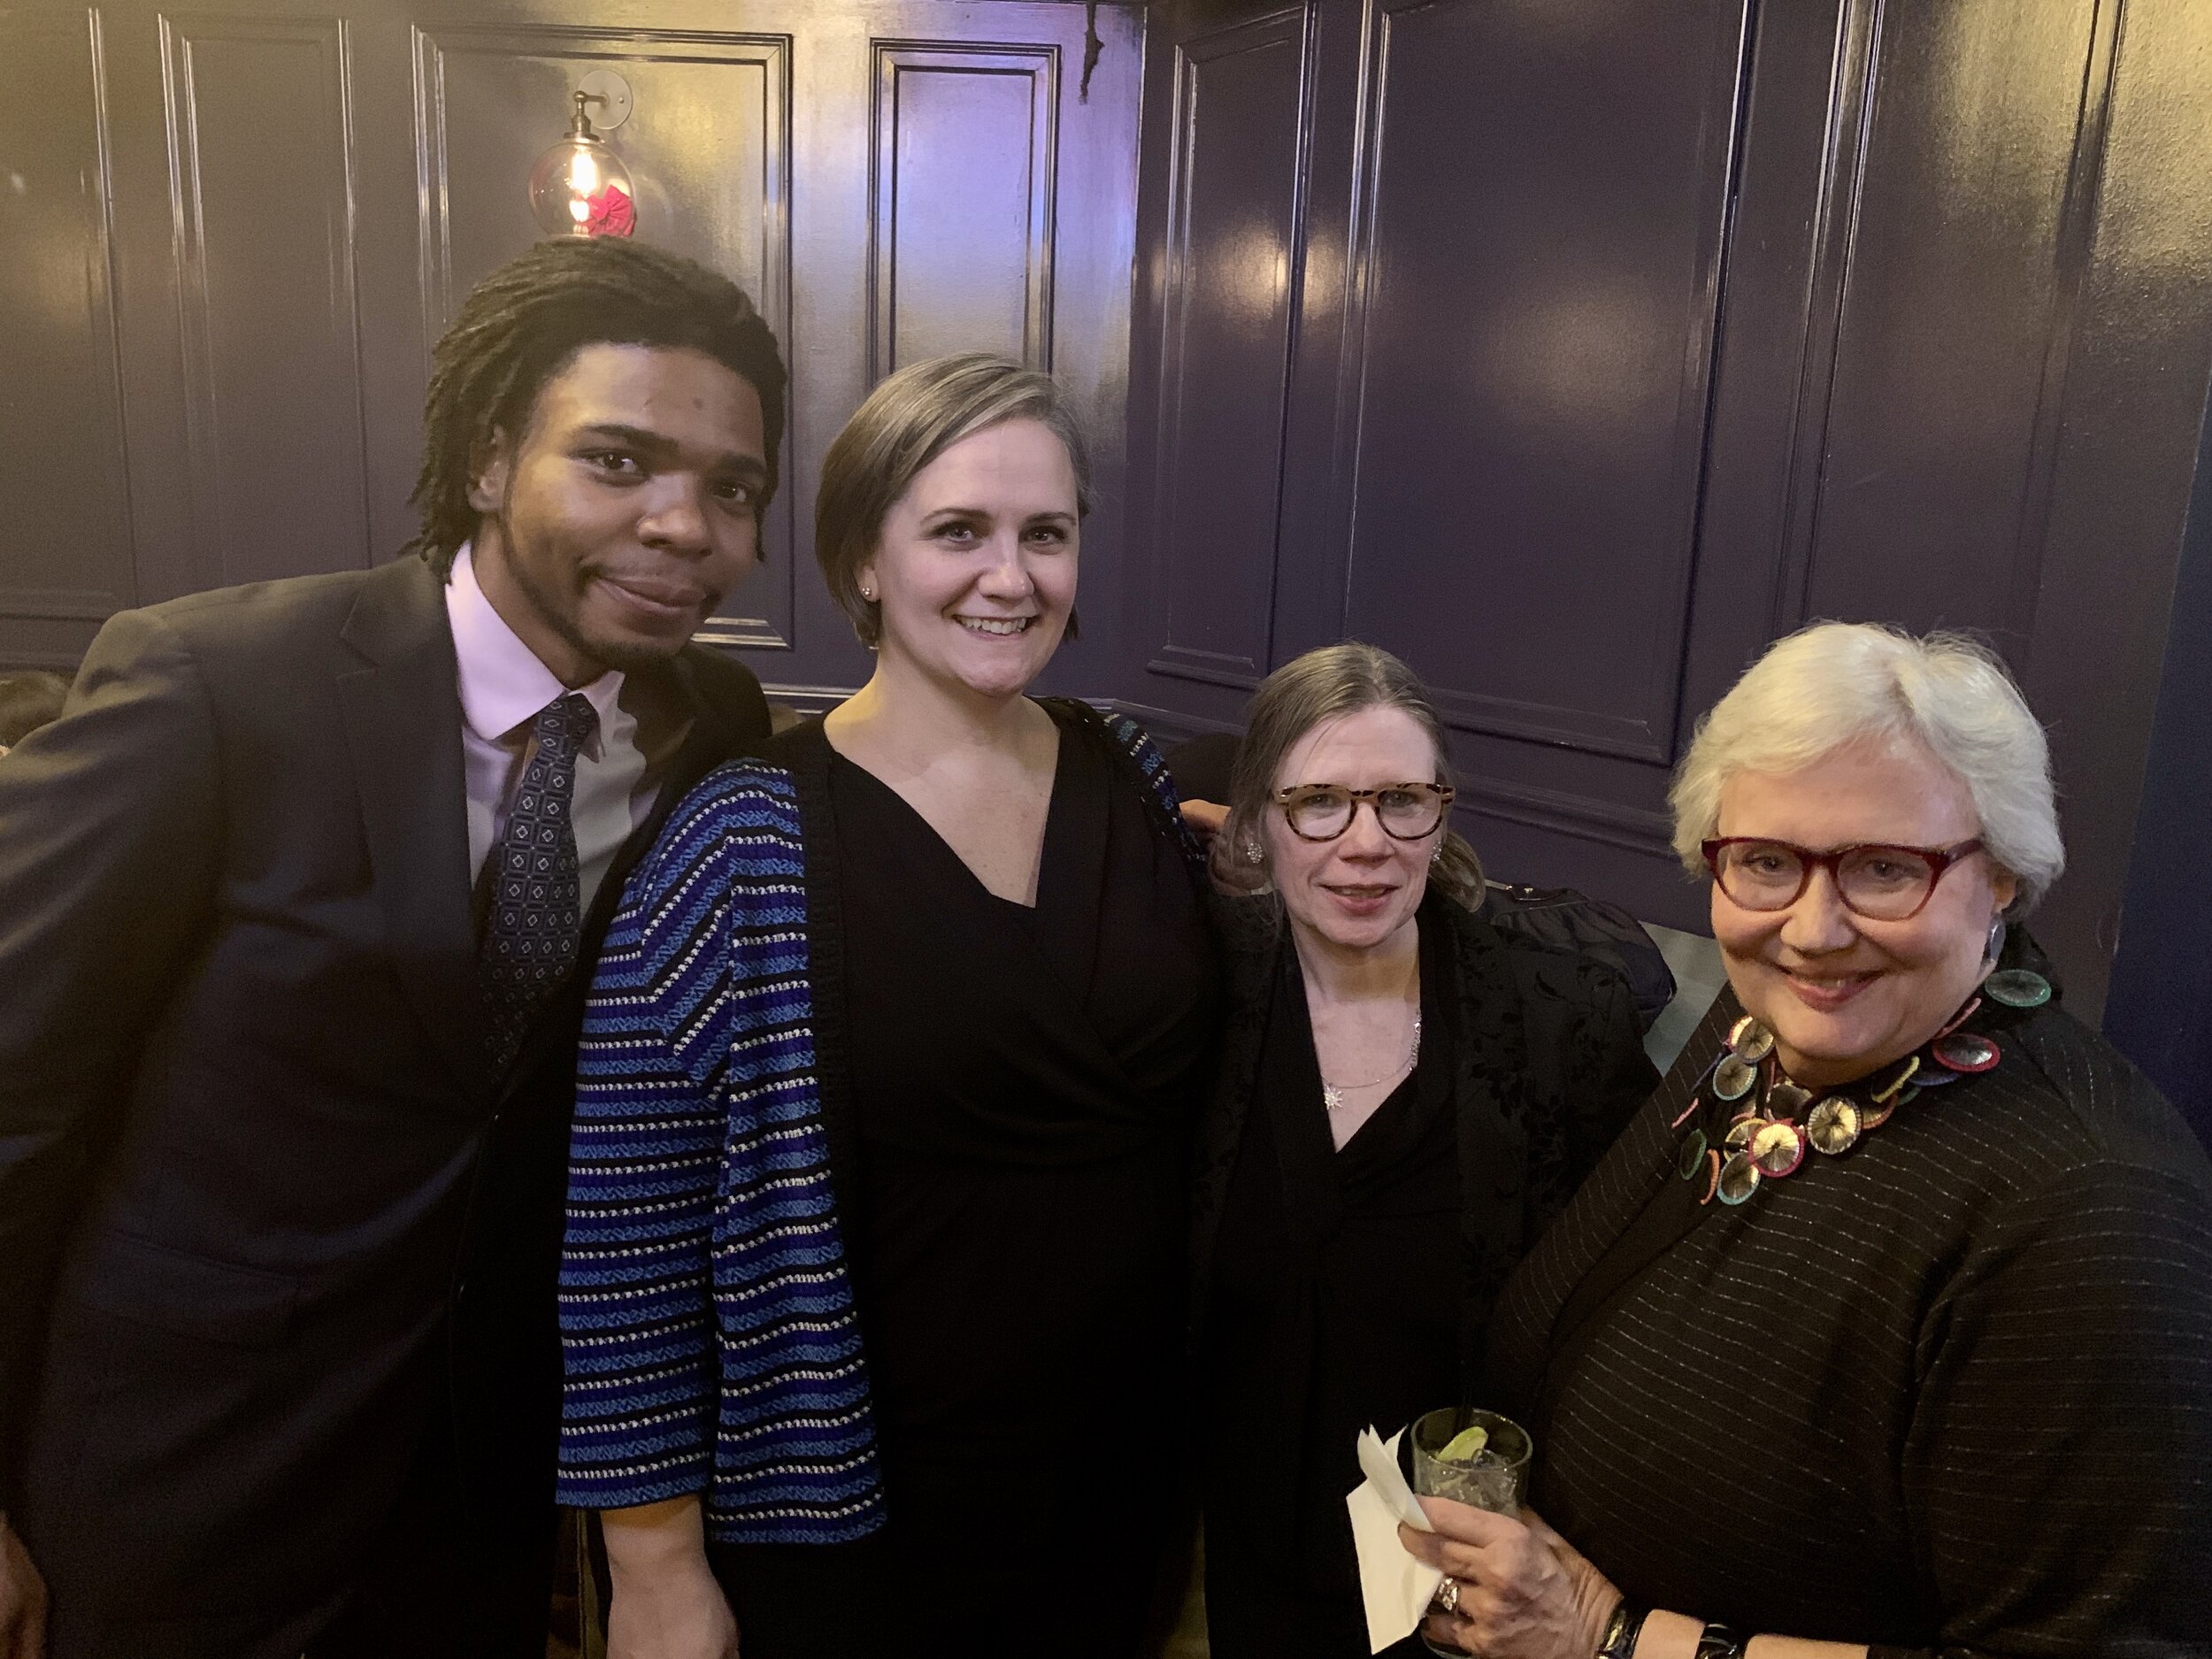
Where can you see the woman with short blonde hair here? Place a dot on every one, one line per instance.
(875, 1269)
(907, 423)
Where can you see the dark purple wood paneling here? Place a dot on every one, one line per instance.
(1958, 365)
(1808, 100)
(2139, 351)
(2160, 1007)
(1234, 202)
(64, 551)
(1968, 242)
(961, 234)
(708, 148)
(1536, 279)
(261, 167)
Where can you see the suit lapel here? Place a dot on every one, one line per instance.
(402, 720)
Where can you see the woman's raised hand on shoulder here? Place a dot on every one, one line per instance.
(666, 1602)
(1231, 875)
(1206, 819)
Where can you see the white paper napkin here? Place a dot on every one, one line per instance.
(1396, 1587)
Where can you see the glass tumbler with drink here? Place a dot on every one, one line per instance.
(1472, 1457)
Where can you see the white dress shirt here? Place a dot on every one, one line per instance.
(503, 687)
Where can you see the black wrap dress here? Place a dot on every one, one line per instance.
(1022, 1087)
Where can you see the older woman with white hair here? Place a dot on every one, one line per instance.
(1886, 1327)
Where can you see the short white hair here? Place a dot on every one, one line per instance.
(1837, 683)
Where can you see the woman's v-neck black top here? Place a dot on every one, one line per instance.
(1024, 1082)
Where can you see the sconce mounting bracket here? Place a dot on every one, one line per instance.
(609, 95)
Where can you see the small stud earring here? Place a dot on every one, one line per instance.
(867, 596)
(1251, 852)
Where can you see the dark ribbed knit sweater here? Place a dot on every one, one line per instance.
(1951, 1392)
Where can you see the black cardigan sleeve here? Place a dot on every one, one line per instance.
(2058, 1469)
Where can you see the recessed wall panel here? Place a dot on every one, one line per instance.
(261, 166)
(1537, 275)
(961, 233)
(1952, 348)
(707, 145)
(66, 546)
(1234, 204)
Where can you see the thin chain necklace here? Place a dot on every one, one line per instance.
(1332, 1093)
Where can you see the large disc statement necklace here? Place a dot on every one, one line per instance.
(1768, 1120)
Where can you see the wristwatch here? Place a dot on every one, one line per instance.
(1719, 1642)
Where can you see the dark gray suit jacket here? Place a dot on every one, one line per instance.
(262, 1203)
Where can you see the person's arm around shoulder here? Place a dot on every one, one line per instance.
(109, 825)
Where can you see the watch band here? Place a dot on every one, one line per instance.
(1622, 1630)
(1719, 1642)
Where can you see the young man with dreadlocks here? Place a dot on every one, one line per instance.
(293, 899)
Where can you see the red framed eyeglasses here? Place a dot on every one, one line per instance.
(1875, 880)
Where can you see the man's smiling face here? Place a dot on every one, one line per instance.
(614, 524)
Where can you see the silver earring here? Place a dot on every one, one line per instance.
(1996, 945)
(867, 597)
(1251, 852)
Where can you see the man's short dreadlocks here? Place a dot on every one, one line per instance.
(520, 325)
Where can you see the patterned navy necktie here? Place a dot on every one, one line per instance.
(533, 914)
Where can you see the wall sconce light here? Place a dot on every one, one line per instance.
(580, 187)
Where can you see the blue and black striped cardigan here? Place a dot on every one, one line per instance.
(709, 1338)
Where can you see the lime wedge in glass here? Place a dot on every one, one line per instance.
(1465, 1446)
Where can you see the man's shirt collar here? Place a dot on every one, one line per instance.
(504, 685)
